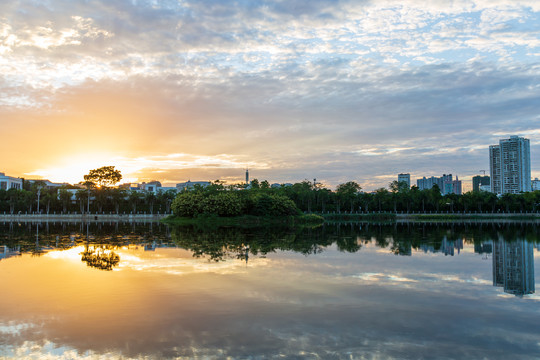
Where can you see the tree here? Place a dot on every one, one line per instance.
(166, 198)
(381, 196)
(134, 198)
(105, 176)
(82, 196)
(65, 198)
(49, 197)
(13, 195)
(117, 195)
(348, 193)
(150, 198)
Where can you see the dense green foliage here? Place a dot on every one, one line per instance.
(262, 200)
(73, 199)
(105, 176)
(218, 200)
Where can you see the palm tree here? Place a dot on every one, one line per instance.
(65, 198)
(150, 198)
(134, 198)
(117, 196)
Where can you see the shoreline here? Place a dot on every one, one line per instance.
(82, 217)
(329, 218)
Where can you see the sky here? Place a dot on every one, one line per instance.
(203, 89)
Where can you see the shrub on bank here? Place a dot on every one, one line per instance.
(232, 203)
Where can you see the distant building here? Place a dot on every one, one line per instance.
(428, 183)
(510, 166)
(406, 178)
(48, 184)
(277, 185)
(535, 184)
(10, 182)
(247, 176)
(166, 188)
(190, 185)
(486, 188)
(478, 180)
(452, 186)
(152, 186)
(445, 183)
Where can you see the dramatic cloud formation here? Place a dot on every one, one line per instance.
(337, 90)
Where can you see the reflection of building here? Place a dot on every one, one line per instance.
(6, 252)
(427, 248)
(510, 166)
(483, 248)
(513, 266)
(448, 246)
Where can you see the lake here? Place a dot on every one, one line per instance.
(349, 291)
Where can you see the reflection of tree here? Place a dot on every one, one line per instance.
(222, 243)
(230, 243)
(100, 259)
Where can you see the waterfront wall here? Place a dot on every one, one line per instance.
(498, 215)
(81, 217)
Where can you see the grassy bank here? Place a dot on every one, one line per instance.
(360, 217)
(430, 217)
(244, 220)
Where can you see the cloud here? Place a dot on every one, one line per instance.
(286, 84)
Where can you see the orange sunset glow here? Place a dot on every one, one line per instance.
(360, 92)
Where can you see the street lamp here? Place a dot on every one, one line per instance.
(38, 195)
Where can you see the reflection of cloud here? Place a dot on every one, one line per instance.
(14, 329)
(331, 304)
(139, 261)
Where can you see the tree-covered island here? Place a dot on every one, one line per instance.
(237, 205)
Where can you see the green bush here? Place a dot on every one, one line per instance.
(232, 203)
(188, 204)
(222, 204)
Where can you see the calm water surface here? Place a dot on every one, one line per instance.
(408, 291)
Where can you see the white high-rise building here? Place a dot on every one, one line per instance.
(510, 166)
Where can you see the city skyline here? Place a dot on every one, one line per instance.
(337, 91)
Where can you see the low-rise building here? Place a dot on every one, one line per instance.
(10, 182)
(48, 184)
(190, 185)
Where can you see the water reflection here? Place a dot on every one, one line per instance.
(402, 291)
(511, 245)
(513, 266)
